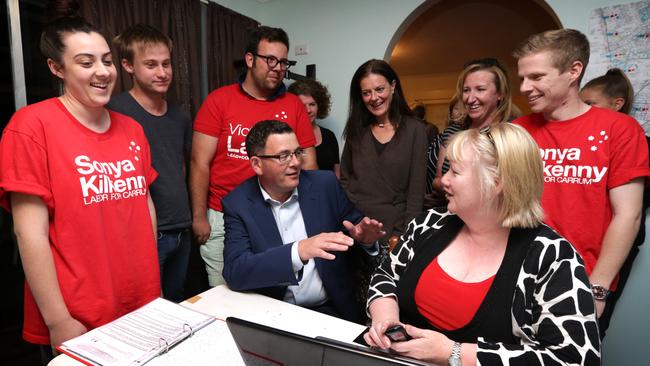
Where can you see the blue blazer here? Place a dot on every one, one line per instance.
(255, 257)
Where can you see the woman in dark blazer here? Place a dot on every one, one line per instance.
(383, 167)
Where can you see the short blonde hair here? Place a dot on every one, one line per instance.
(565, 45)
(508, 154)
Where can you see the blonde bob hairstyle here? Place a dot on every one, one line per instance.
(507, 154)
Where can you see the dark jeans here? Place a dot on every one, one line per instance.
(173, 257)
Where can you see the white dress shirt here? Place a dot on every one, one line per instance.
(288, 218)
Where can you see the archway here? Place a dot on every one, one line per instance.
(430, 47)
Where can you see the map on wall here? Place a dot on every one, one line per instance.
(620, 37)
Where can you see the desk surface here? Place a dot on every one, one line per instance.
(214, 345)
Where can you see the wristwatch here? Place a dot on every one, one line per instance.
(600, 293)
(454, 359)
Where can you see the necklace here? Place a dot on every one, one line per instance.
(380, 125)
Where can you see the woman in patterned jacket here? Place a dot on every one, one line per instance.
(486, 281)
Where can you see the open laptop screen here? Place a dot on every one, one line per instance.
(261, 345)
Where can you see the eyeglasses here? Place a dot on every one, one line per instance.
(273, 61)
(285, 157)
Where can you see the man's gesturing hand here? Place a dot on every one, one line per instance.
(321, 244)
(367, 231)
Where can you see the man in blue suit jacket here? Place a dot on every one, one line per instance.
(284, 229)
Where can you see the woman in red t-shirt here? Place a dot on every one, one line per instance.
(76, 177)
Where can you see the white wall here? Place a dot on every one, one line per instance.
(342, 34)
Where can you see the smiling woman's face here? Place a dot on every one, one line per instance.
(377, 94)
(480, 97)
(461, 185)
(87, 69)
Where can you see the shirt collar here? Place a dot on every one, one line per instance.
(269, 199)
(278, 92)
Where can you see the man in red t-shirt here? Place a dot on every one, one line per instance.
(595, 160)
(219, 160)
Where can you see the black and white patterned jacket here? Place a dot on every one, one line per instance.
(551, 311)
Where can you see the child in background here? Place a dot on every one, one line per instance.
(612, 90)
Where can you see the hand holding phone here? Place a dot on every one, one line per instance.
(397, 333)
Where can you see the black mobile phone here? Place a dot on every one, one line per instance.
(397, 333)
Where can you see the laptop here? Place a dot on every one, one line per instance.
(260, 345)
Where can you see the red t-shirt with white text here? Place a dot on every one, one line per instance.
(95, 187)
(584, 158)
(228, 113)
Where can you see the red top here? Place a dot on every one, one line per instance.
(95, 187)
(584, 158)
(446, 302)
(228, 114)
